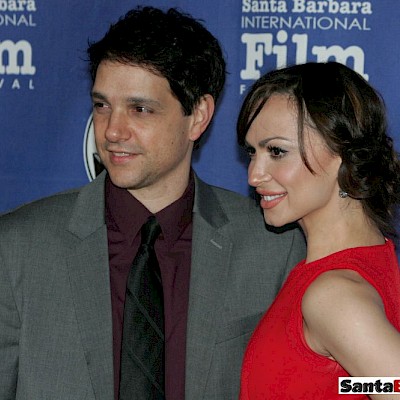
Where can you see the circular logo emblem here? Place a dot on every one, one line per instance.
(91, 157)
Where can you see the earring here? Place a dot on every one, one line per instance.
(343, 194)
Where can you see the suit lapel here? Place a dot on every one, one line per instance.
(89, 278)
(211, 253)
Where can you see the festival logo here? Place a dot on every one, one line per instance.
(276, 33)
(16, 56)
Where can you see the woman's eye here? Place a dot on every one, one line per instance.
(276, 152)
(251, 151)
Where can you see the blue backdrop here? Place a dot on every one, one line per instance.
(44, 86)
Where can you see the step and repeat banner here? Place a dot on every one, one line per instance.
(45, 109)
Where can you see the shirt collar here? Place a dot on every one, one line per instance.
(124, 213)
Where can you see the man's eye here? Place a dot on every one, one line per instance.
(142, 109)
(100, 107)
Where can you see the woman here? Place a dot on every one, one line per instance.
(320, 155)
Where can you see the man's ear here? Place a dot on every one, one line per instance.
(202, 115)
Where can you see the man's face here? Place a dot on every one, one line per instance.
(142, 135)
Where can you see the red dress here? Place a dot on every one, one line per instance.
(278, 363)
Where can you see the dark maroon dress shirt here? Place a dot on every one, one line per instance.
(124, 217)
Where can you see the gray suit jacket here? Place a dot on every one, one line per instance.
(55, 309)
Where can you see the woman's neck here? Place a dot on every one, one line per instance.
(335, 232)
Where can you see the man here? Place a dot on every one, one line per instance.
(65, 260)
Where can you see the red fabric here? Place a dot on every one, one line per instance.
(278, 364)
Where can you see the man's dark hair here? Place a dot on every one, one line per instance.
(170, 44)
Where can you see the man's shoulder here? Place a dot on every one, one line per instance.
(47, 206)
(238, 207)
(43, 217)
(56, 205)
(236, 200)
(241, 211)
(246, 214)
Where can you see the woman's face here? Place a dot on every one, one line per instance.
(289, 191)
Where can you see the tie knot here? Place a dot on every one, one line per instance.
(150, 230)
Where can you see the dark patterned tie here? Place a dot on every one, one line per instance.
(142, 358)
